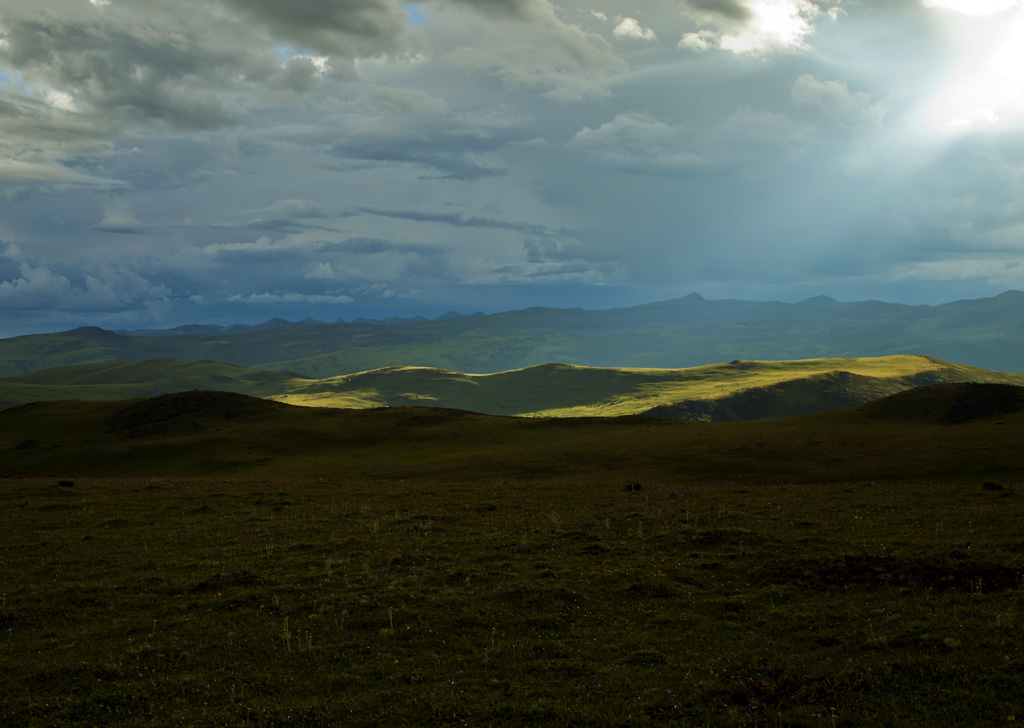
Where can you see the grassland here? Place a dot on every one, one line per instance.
(737, 390)
(212, 433)
(304, 602)
(119, 380)
(209, 559)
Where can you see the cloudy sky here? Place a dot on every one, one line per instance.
(173, 161)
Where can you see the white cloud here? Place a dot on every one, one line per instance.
(329, 298)
(49, 171)
(322, 271)
(276, 298)
(61, 100)
(262, 244)
(701, 40)
(835, 100)
(11, 251)
(120, 221)
(638, 143)
(754, 27)
(39, 288)
(630, 28)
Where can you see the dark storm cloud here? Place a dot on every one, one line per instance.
(182, 63)
(134, 71)
(457, 219)
(9, 109)
(171, 162)
(281, 225)
(347, 28)
(501, 8)
(163, 160)
(286, 216)
(450, 166)
(734, 10)
(452, 155)
(378, 246)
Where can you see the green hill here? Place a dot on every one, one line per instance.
(918, 434)
(731, 391)
(117, 380)
(738, 390)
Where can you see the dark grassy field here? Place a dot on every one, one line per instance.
(214, 602)
(505, 572)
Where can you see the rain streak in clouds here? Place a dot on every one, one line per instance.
(181, 161)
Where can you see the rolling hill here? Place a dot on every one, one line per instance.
(738, 390)
(685, 332)
(943, 431)
(118, 380)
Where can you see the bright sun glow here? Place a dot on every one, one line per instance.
(988, 89)
(773, 23)
(972, 7)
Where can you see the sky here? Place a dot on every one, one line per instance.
(228, 161)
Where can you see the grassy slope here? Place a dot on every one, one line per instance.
(758, 389)
(741, 390)
(194, 433)
(117, 380)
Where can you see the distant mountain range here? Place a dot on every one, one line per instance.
(278, 323)
(684, 332)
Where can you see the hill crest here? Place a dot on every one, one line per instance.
(736, 390)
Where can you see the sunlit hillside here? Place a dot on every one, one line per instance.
(738, 390)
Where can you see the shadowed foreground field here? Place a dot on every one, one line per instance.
(577, 596)
(219, 602)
